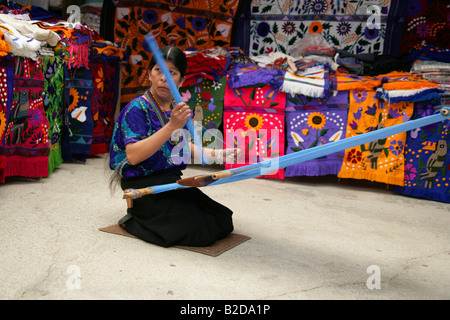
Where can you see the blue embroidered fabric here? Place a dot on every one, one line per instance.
(137, 121)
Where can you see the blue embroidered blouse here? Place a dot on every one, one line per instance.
(138, 120)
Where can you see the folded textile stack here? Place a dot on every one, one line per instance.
(209, 64)
(405, 86)
(25, 38)
(433, 64)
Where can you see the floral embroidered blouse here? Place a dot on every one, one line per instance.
(138, 120)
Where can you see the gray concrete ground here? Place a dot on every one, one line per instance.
(311, 238)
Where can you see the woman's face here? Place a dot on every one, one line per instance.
(160, 87)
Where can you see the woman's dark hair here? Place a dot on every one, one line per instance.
(175, 55)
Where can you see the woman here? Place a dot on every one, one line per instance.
(140, 153)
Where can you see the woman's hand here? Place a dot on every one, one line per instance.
(229, 155)
(179, 116)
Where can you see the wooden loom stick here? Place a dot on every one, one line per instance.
(264, 167)
(151, 46)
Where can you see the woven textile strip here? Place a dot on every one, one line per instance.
(427, 169)
(201, 24)
(254, 123)
(104, 99)
(53, 69)
(27, 139)
(77, 139)
(206, 100)
(350, 25)
(6, 94)
(312, 122)
(382, 160)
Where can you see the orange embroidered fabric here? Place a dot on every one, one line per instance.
(382, 160)
(199, 24)
(405, 81)
(347, 81)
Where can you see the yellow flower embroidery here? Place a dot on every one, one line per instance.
(317, 120)
(254, 121)
(73, 99)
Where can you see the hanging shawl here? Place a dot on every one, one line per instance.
(79, 124)
(105, 80)
(53, 101)
(312, 122)
(427, 169)
(7, 83)
(27, 143)
(254, 123)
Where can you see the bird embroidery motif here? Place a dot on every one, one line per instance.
(435, 163)
(375, 148)
(19, 115)
(198, 117)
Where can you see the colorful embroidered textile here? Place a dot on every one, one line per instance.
(254, 123)
(20, 45)
(381, 160)
(427, 169)
(305, 102)
(75, 43)
(312, 122)
(263, 98)
(404, 86)
(350, 25)
(427, 52)
(6, 94)
(259, 136)
(347, 82)
(426, 21)
(188, 25)
(79, 123)
(27, 143)
(205, 64)
(53, 69)
(250, 74)
(105, 82)
(206, 100)
(311, 86)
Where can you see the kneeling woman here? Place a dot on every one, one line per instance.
(140, 154)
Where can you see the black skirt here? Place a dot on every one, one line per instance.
(178, 217)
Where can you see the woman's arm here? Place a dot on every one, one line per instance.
(145, 148)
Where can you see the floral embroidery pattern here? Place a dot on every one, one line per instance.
(426, 21)
(344, 24)
(190, 25)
